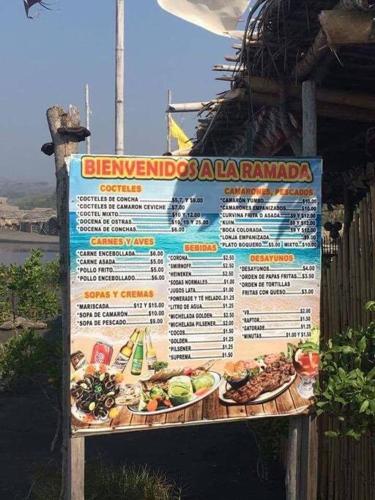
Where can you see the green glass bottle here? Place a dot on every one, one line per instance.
(138, 356)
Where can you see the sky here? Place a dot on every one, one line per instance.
(48, 60)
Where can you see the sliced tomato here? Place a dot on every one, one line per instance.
(152, 405)
(90, 370)
(202, 391)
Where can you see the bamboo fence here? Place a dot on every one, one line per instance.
(347, 467)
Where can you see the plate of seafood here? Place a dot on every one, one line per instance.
(174, 389)
(98, 391)
(256, 381)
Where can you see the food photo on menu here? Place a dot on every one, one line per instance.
(98, 389)
(137, 380)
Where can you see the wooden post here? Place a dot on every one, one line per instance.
(302, 469)
(88, 112)
(120, 74)
(293, 465)
(169, 145)
(73, 450)
(309, 120)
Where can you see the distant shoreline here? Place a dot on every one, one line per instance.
(27, 238)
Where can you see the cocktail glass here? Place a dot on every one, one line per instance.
(307, 367)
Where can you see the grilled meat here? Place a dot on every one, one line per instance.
(271, 378)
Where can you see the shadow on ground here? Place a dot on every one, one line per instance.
(212, 462)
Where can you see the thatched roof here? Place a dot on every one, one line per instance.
(284, 44)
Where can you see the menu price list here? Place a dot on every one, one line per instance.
(133, 214)
(201, 306)
(277, 324)
(120, 265)
(270, 281)
(99, 314)
(266, 223)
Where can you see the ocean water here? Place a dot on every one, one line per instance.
(172, 243)
(16, 253)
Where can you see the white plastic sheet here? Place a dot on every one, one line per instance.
(218, 16)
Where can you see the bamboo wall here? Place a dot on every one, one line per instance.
(347, 468)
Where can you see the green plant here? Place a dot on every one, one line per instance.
(111, 483)
(29, 290)
(347, 381)
(28, 358)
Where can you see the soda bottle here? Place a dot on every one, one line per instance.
(150, 351)
(138, 356)
(125, 353)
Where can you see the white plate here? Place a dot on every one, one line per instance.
(263, 398)
(195, 399)
(78, 414)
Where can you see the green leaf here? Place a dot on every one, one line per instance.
(362, 344)
(309, 346)
(370, 305)
(364, 406)
(353, 434)
(327, 395)
(332, 434)
(346, 349)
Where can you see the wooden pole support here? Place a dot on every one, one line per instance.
(293, 463)
(309, 119)
(302, 467)
(73, 450)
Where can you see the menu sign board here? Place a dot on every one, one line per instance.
(194, 289)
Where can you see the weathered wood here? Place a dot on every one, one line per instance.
(309, 119)
(347, 469)
(347, 27)
(169, 138)
(325, 109)
(184, 107)
(187, 107)
(319, 49)
(309, 458)
(362, 236)
(372, 277)
(357, 270)
(88, 112)
(309, 440)
(77, 468)
(293, 463)
(345, 105)
(331, 96)
(72, 487)
(311, 58)
(226, 78)
(234, 58)
(228, 67)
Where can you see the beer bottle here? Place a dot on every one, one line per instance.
(125, 353)
(138, 356)
(150, 351)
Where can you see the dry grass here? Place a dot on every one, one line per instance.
(105, 482)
